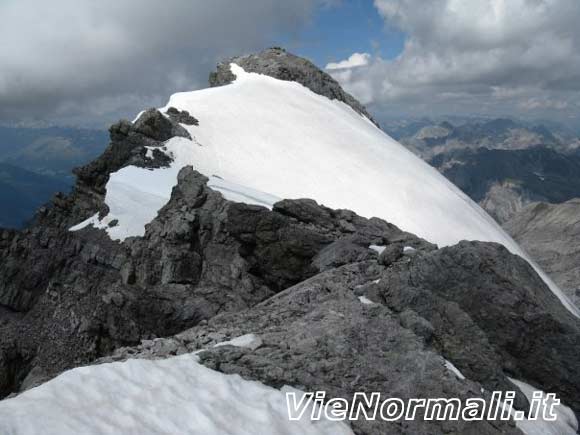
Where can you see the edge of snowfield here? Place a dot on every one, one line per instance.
(248, 143)
(155, 397)
(178, 395)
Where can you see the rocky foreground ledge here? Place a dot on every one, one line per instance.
(337, 302)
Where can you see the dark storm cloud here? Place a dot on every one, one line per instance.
(76, 60)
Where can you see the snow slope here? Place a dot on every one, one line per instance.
(565, 424)
(260, 134)
(180, 396)
(162, 397)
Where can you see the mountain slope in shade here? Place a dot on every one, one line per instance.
(269, 135)
(51, 151)
(505, 180)
(550, 233)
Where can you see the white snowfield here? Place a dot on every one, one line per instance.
(565, 423)
(179, 396)
(260, 134)
(175, 396)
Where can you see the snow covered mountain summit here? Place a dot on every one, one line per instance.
(174, 291)
(296, 134)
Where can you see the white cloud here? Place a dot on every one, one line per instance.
(462, 55)
(75, 58)
(356, 59)
(543, 103)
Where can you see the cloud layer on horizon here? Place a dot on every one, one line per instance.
(79, 61)
(497, 56)
(72, 60)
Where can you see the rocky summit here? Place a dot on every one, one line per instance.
(337, 302)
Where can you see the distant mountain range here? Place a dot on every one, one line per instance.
(22, 192)
(504, 181)
(428, 139)
(37, 162)
(526, 176)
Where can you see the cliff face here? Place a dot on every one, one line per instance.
(505, 181)
(550, 233)
(329, 310)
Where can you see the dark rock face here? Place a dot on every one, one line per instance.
(391, 254)
(280, 64)
(481, 290)
(128, 142)
(6, 237)
(474, 304)
(47, 246)
(154, 125)
(318, 336)
(181, 116)
(341, 252)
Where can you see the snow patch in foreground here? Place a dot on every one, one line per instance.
(160, 397)
(449, 365)
(565, 424)
(365, 300)
(249, 341)
(378, 248)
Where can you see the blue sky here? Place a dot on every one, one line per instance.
(465, 57)
(340, 30)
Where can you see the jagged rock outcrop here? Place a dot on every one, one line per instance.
(128, 142)
(481, 290)
(475, 304)
(47, 245)
(278, 63)
(83, 295)
(181, 116)
(317, 335)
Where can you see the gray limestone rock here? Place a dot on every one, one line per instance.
(278, 63)
(181, 116)
(550, 233)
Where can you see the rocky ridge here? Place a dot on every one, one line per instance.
(278, 63)
(329, 312)
(428, 138)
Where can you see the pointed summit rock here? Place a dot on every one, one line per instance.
(282, 65)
